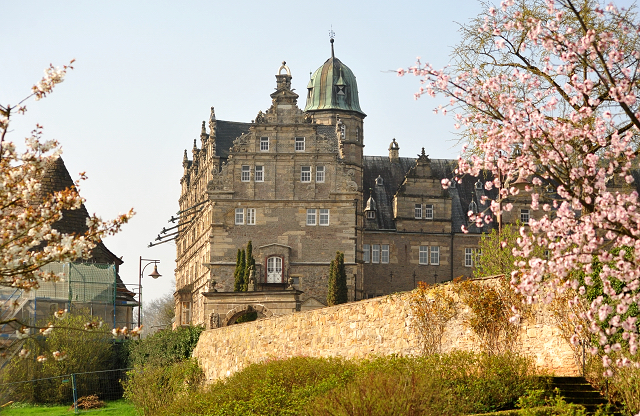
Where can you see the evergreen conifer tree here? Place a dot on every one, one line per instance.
(250, 265)
(331, 289)
(337, 285)
(341, 279)
(237, 277)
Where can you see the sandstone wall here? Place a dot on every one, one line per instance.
(379, 326)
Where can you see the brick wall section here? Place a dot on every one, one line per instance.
(379, 326)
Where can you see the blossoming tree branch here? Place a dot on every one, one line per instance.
(548, 91)
(28, 238)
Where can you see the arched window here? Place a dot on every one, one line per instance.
(274, 270)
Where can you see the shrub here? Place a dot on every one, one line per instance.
(554, 404)
(165, 347)
(85, 350)
(491, 313)
(275, 387)
(451, 384)
(432, 308)
(154, 388)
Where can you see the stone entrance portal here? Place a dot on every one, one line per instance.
(224, 308)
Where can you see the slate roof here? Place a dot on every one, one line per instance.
(327, 131)
(393, 174)
(226, 133)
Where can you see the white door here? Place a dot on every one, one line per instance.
(274, 270)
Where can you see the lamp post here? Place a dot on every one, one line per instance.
(153, 274)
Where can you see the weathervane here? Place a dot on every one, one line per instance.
(332, 35)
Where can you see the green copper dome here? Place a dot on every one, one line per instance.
(333, 87)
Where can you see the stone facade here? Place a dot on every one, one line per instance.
(373, 327)
(297, 184)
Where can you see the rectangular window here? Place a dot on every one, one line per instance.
(324, 216)
(384, 253)
(366, 253)
(239, 216)
(468, 257)
(299, 144)
(524, 216)
(477, 255)
(428, 212)
(418, 211)
(319, 173)
(259, 174)
(311, 216)
(424, 255)
(264, 144)
(435, 256)
(185, 317)
(251, 216)
(305, 174)
(375, 253)
(246, 173)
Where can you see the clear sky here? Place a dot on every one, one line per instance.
(147, 72)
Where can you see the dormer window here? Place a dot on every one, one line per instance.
(479, 184)
(473, 207)
(341, 90)
(453, 183)
(370, 208)
(379, 181)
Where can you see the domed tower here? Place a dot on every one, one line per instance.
(332, 99)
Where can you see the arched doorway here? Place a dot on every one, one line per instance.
(245, 313)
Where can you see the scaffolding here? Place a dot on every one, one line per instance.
(88, 288)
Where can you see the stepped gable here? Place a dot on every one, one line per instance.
(393, 174)
(466, 192)
(226, 133)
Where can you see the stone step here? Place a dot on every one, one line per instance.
(578, 391)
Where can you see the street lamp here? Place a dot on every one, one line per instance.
(153, 274)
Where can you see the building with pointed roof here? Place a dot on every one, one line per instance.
(295, 182)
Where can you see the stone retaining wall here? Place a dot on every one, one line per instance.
(379, 326)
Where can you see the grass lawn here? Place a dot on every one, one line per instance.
(117, 408)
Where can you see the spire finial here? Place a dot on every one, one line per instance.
(332, 35)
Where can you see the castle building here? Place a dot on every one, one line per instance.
(296, 183)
